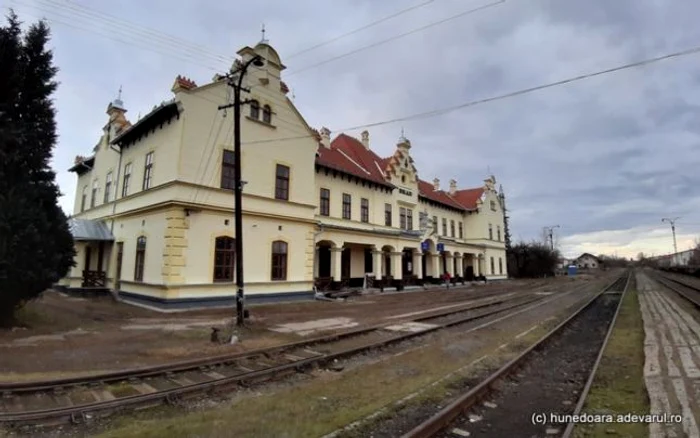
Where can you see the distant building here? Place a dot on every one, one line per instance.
(587, 261)
(681, 258)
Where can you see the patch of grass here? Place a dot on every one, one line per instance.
(618, 387)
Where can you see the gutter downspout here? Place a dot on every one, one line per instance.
(116, 186)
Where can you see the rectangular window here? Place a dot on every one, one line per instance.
(387, 215)
(493, 205)
(325, 204)
(140, 258)
(93, 200)
(409, 219)
(452, 228)
(435, 224)
(83, 200)
(148, 171)
(493, 268)
(402, 218)
(364, 210)
(228, 170)
(108, 187)
(127, 178)
(279, 260)
(444, 227)
(498, 232)
(461, 230)
(490, 232)
(282, 183)
(347, 206)
(500, 265)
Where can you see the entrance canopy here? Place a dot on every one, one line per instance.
(89, 230)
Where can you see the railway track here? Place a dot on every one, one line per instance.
(518, 407)
(686, 290)
(77, 400)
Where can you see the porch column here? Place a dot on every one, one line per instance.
(418, 264)
(477, 263)
(336, 263)
(460, 265)
(437, 273)
(449, 261)
(377, 257)
(396, 268)
(316, 262)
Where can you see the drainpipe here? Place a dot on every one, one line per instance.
(313, 269)
(116, 186)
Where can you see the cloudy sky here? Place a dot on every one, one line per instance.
(605, 158)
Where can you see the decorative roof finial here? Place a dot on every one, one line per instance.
(119, 96)
(402, 138)
(263, 40)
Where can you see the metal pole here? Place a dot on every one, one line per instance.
(238, 191)
(672, 221)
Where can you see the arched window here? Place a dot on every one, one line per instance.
(140, 258)
(254, 109)
(279, 260)
(267, 114)
(224, 258)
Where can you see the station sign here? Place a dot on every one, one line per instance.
(425, 245)
(440, 247)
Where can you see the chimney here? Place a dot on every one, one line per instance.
(453, 187)
(326, 137)
(365, 139)
(183, 84)
(436, 184)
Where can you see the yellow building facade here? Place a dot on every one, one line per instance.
(154, 219)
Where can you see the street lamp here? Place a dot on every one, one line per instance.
(550, 233)
(235, 80)
(672, 221)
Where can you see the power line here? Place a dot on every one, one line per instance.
(114, 37)
(434, 113)
(359, 29)
(396, 37)
(149, 33)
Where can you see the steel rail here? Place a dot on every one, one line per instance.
(447, 415)
(76, 413)
(664, 281)
(181, 366)
(589, 383)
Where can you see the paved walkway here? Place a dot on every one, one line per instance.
(672, 351)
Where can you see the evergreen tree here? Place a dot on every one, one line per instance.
(36, 247)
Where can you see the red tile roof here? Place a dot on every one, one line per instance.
(468, 197)
(349, 155)
(427, 190)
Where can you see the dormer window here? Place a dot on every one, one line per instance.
(403, 178)
(267, 114)
(254, 110)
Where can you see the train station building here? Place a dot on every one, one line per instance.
(154, 218)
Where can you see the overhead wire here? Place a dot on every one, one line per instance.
(471, 103)
(359, 29)
(396, 37)
(113, 23)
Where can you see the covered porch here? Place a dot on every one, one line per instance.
(93, 243)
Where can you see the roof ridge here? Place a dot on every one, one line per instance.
(353, 161)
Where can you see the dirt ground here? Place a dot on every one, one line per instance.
(65, 335)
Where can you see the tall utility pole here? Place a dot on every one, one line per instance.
(549, 231)
(235, 80)
(672, 221)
